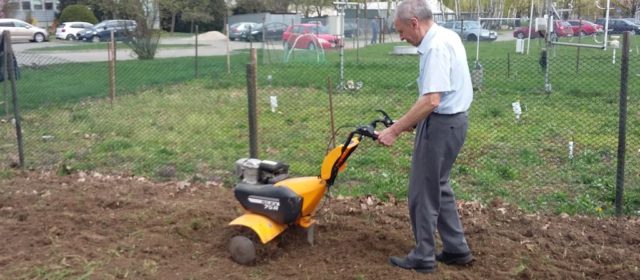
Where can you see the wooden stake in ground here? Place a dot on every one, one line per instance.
(6, 38)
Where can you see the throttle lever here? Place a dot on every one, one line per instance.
(387, 121)
(367, 131)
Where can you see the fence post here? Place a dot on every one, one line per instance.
(622, 125)
(252, 89)
(112, 67)
(197, 34)
(578, 51)
(6, 39)
(366, 25)
(508, 65)
(5, 84)
(357, 41)
(333, 130)
(226, 29)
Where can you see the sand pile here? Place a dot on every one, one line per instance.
(211, 36)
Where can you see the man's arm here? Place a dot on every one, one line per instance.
(419, 111)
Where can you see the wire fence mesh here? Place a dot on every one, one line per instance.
(559, 153)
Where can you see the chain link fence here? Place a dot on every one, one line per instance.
(187, 117)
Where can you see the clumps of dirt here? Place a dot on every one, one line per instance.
(125, 227)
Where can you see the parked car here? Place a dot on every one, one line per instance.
(560, 29)
(236, 29)
(619, 26)
(102, 31)
(68, 30)
(587, 28)
(471, 30)
(351, 29)
(309, 36)
(257, 32)
(634, 20)
(21, 30)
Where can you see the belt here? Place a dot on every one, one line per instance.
(450, 115)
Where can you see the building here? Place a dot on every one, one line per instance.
(386, 11)
(42, 11)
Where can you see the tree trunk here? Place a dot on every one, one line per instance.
(173, 22)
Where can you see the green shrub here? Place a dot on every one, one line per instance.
(78, 13)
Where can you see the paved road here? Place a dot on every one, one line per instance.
(207, 48)
(40, 57)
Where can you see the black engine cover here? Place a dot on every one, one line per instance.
(280, 204)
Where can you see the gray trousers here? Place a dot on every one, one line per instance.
(431, 201)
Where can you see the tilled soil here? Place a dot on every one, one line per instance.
(92, 226)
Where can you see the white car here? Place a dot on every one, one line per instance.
(68, 30)
(21, 30)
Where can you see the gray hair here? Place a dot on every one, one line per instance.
(408, 9)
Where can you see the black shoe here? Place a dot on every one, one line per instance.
(455, 258)
(408, 264)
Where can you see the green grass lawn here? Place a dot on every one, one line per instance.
(524, 162)
(164, 116)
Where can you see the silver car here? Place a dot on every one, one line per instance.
(471, 30)
(21, 30)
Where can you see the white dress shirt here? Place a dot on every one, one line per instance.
(444, 69)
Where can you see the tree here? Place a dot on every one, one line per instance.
(261, 6)
(8, 9)
(78, 13)
(249, 7)
(173, 8)
(281, 6)
(66, 3)
(197, 11)
(307, 7)
(108, 9)
(214, 10)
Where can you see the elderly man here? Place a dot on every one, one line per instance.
(440, 118)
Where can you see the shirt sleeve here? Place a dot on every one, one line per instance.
(436, 74)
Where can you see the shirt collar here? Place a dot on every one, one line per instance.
(426, 41)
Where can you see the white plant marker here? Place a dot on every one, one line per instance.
(517, 110)
(274, 103)
(570, 150)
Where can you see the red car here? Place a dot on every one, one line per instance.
(309, 36)
(588, 27)
(560, 28)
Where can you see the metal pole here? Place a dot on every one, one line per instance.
(228, 51)
(366, 29)
(358, 34)
(6, 84)
(252, 90)
(576, 45)
(341, 11)
(578, 50)
(196, 62)
(12, 77)
(478, 43)
(606, 26)
(547, 44)
(333, 130)
(508, 65)
(622, 124)
(112, 68)
(530, 21)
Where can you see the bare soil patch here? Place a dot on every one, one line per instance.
(114, 227)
